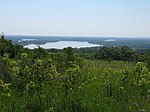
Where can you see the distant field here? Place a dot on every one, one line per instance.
(113, 65)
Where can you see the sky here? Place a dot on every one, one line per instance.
(102, 18)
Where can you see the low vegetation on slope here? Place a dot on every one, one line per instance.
(37, 81)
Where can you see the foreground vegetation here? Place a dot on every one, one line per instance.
(37, 81)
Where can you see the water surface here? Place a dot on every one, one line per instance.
(63, 44)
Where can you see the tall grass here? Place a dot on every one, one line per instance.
(100, 86)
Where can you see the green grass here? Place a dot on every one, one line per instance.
(114, 65)
(100, 87)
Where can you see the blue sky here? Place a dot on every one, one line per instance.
(117, 18)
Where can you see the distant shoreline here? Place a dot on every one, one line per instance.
(135, 43)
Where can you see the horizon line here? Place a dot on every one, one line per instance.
(84, 36)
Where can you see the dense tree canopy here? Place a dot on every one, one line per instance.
(116, 53)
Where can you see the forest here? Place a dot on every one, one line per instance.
(101, 79)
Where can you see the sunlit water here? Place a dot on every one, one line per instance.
(63, 44)
(26, 40)
(110, 40)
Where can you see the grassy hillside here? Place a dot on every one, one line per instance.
(112, 87)
(37, 81)
(101, 87)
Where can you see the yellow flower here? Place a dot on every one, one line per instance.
(1, 82)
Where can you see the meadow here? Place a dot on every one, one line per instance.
(100, 87)
(37, 81)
